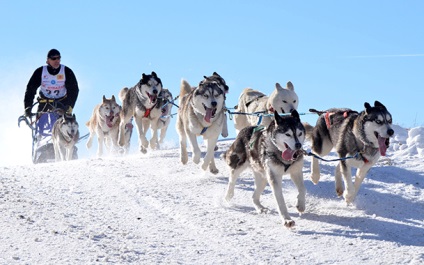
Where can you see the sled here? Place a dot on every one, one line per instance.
(41, 125)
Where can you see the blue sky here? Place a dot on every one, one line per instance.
(336, 53)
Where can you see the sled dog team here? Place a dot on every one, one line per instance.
(271, 149)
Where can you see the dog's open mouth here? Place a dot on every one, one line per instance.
(290, 154)
(383, 143)
(165, 111)
(210, 113)
(109, 120)
(152, 98)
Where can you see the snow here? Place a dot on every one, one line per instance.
(151, 209)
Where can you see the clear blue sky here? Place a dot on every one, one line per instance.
(336, 53)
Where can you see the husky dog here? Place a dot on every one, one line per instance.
(104, 122)
(283, 100)
(364, 135)
(217, 78)
(201, 113)
(271, 153)
(65, 135)
(143, 103)
(165, 118)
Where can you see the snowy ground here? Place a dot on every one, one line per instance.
(150, 209)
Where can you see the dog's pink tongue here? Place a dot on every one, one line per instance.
(109, 120)
(208, 115)
(288, 154)
(382, 145)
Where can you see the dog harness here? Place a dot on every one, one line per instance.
(53, 86)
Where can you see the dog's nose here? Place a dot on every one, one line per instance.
(155, 91)
(214, 104)
(298, 145)
(390, 132)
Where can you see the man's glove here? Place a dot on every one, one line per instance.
(69, 110)
(28, 112)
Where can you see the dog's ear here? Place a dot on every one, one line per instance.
(295, 114)
(277, 118)
(290, 86)
(154, 74)
(113, 98)
(378, 104)
(367, 107)
(104, 98)
(278, 86)
(216, 74)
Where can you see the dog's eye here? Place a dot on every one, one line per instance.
(300, 134)
(285, 101)
(287, 134)
(378, 121)
(205, 96)
(294, 101)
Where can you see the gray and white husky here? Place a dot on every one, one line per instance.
(283, 100)
(65, 135)
(365, 134)
(144, 104)
(201, 113)
(165, 118)
(104, 122)
(270, 153)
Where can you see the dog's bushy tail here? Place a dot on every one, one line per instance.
(185, 88)
(308, 130)
(122, 93)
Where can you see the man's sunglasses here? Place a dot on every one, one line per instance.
(55, 58)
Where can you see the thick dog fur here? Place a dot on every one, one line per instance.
(143, 102)
(283, 100)
(366, 133)
(65, 135)
(104, 122)
(201, 113)
(270, 153)
(165, 118)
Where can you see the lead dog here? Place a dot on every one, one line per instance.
(143, 103)
(364, 135)
(270, 153)
(201, 113)
(283, 100)
(104, 122)
(65, 135)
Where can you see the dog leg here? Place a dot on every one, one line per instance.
(162, 135)
(90, 140)
(183, 149)
(260, 184)
(315, 176)
(100, 141)
(349, 192)
(154, 129)
(224, 132)
(69, 152)
(232, 180)
(360, 176)
(276, 184)
(209, 160)
(195, 148)
(56, 152)
(142, 141)
(297, 179)
(338, 178)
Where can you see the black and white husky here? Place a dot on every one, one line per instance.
(270, 153)
(65, 135)
(144, 104)
(363, 135)
(201, 113)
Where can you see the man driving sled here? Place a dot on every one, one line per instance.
(58, 89)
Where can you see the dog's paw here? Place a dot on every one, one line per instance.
(143, 149)
(213, 170)
(263, 210)
(300, 207)
(289, 223)
(196, 160)
(315, 178)
(229, 196)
